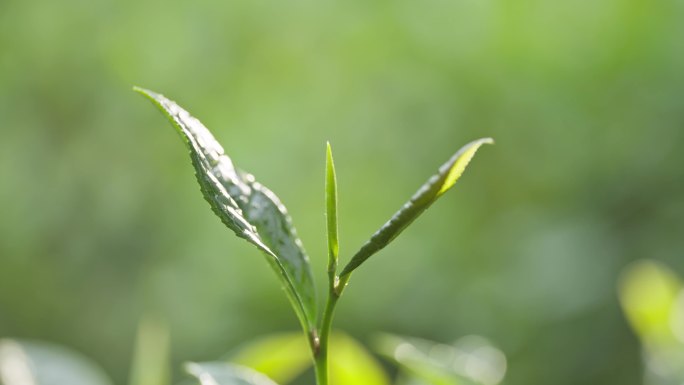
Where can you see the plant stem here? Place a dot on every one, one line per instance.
(321, 355)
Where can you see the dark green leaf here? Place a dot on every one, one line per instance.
(220, 373)
(39, 363)
(249, 209)
(437, 185)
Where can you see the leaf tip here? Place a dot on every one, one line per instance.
(329, 158)
(454, 168)
(141, 90)
(146, 93)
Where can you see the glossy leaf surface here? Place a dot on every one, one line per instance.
(248, 208)
(39, 363)
(437, 185)
(221, 373)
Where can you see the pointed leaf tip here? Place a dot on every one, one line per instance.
(426, 195)
(453, 169)
(331, 210)
(248, 208)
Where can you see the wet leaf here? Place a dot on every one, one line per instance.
(437, 185)
(248, 208)
(40, 363)
(221, 373)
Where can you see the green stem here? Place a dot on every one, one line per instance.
(337, 286)
(321, 355)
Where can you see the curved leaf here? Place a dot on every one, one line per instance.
(437, 185)
(40, 363)
(221, 373)
(248, 208)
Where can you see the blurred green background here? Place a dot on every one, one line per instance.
(102, 219)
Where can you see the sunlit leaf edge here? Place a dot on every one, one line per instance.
(229, 212)
(427, 194)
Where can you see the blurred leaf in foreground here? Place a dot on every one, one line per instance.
(151, 356)
(40, 363)
(351, 363)
(221, 373)
(652, 297)
(283, 357)
(471, 360)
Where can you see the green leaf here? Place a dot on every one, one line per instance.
(649, 294)
(282, 356)
(471, 360)
(222, 373)
(331, 211)
(351, 363)
(151, 356)
(40, 363)
(437, 185)
(251, 210)
(652, 298)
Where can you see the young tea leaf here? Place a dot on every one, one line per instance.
(222, 373)
(331, 210)
(437, 185)
(246, 207)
